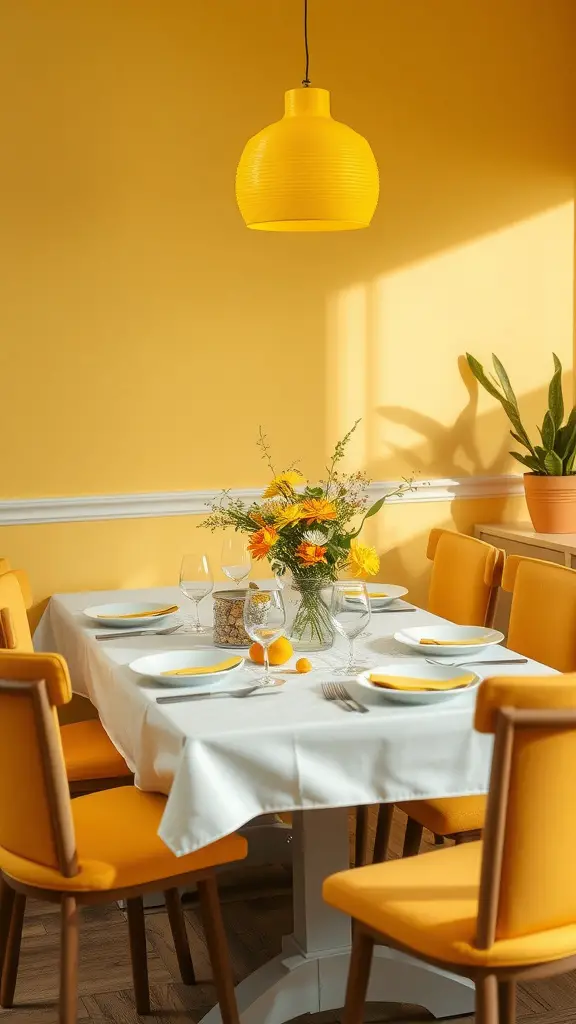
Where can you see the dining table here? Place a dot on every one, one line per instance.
(224, 762)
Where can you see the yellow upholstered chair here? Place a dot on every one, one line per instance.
(498, 911)
(542, 627)
(466, 574)
(92, 761)
(95, 849)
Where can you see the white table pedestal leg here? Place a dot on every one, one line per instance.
(310, 973)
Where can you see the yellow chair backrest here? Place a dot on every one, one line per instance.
(528, 871)
(543, 612)
(35, 814)
(465, 575)
(22, 577)
(12, 601)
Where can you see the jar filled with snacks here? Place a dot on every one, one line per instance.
(229, 619)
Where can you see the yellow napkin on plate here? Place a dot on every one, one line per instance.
(142, 615)
(404, 683)
(456, 643)
(376, 593)
(204, 670)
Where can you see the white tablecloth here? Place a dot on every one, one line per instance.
(224, 762)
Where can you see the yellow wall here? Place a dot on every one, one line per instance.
(145, 333)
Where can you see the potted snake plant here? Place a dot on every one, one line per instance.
(550, 476)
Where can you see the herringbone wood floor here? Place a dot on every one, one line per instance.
(257, 911)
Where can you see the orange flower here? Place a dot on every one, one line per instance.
(262, 541)
(310, 554)
(318, 510)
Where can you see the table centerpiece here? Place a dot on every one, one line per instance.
(308, 533)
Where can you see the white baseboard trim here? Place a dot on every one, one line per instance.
(23, 512)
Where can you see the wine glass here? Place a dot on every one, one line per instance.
(196, 582)
(264, 621)
(236, 563)
(350, 612)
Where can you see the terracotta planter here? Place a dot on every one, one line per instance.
(551, 502)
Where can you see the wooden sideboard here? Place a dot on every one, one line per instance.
(521, 539)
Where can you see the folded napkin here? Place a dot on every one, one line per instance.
(404, 683)
(204, 670)
(375, 593)
(454, 643)
(142, 615)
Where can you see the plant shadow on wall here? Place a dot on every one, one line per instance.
(449, 451)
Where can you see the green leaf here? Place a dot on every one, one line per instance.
(529, 461)
(567, 443)
(548, 432)
(557, 363)
(569, 464)
(375, 508)
(555, 398)
(504, 380)
(553, 464)
(478, 371)
(520, 440)
(510, 407)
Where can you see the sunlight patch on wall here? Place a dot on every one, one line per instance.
(395, 348)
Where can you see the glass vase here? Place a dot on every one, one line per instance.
(312, 627)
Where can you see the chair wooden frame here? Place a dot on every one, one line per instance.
(13, 895)
(495, 986)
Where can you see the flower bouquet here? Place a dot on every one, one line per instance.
(309, 532)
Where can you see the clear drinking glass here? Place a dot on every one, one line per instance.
(264, 621)
(236, 562)
(350, 612)
(196, 582)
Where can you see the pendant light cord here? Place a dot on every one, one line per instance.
(306, 79)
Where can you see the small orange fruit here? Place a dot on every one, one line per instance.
(278, 653)
(303, 665)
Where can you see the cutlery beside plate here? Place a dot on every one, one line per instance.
(239, 692)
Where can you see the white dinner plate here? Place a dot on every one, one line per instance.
(417, 669)
(108, 614)
(412, 638)
(153, 666)
(375, 590)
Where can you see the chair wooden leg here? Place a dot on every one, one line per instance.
(487, 1000)
(383, 827)
(179, 934)
(358, 977)
(218, 949)
(12, 955)
(360, 850)
(68, 961)
(6, 904)
(412, 838)
(507, 1002)
(137, 932)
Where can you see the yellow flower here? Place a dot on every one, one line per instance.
(363, 559)
(284, 483)
(318, 510)
(262, 541)
(287, 515)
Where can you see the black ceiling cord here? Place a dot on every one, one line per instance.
(306, 80)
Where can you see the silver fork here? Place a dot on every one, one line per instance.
(462, 664)
(137, 632)
(339, 694)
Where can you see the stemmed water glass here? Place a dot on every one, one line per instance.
(264, 621)
(235, 562)
(350, 612)
(196, 582)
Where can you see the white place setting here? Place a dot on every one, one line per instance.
(226, 762)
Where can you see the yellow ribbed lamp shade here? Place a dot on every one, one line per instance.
(307, 172)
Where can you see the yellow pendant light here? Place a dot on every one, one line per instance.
(307, 172)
